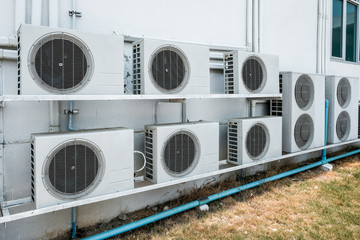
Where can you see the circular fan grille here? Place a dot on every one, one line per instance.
(73, 169)
(304, 131)
(253, 74)
(169, 69)
(60, 63)
(180, 153)
(343, 126)
(343, 92)
(304, 92)
(256, 141)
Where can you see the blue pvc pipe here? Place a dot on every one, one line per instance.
(73, 222)
(73, 210)
(182, 208)
(323, 157)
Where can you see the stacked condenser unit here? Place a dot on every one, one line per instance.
(68, 166)
(303, 111)
(253, 138)
(342, 93)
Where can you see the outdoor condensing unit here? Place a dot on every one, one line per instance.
(342, 93)
(249, 73)
(303, 111)
(252, 139)
(75, 165)
(63, 61)
(163, 67)
(181, 150)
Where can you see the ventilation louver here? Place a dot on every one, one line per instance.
(276, 105)
(181, 150)
(57, 61)
(161, 67)
(248, 73)
(303, 111)
(251, 139)
(80, 164)
(343, 108)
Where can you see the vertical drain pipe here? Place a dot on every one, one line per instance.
(70, 127)
(323, 157)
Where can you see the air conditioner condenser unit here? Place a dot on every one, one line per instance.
(252, 139)
(343, 97)
(75, 165)
(63, 61)
(181, 150)
(303, 111)
(165, 67)
(250, 73)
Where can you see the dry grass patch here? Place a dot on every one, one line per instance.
(309, 205)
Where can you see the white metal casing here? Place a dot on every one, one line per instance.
(335, 109)
(116, 146)
(195, 55)
(207, 150)
(291, 111)
(238, 130)
(234, 82)
(105, 75)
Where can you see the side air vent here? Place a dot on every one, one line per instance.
(229, 73)
(276, 108)
(136, 69)
(276, 105)
(32, 173)
(232, 142)
(149, 154)
(19, 65)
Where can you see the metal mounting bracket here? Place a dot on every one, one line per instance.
(77, 14)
